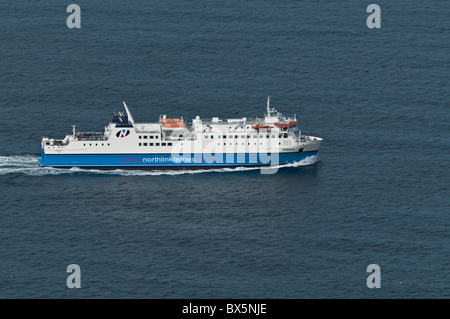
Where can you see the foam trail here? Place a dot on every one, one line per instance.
(28, 165)
(24, 164)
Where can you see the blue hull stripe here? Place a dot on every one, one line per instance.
(154, 161)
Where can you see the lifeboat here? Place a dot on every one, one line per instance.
(286, 124)
(173, 123)
(258, 126)
(282, 124)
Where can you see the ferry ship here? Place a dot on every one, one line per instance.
(173, 143)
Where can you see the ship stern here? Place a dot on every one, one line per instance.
(41, 160)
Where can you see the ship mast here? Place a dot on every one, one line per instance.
(130, 117)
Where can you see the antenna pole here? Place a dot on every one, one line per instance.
(130, 117)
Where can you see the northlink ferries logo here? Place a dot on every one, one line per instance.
(123, 133)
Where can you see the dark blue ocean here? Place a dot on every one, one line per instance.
(379, 193)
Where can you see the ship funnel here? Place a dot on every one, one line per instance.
(130, 117)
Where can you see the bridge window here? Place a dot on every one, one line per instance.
(145, 144)
(151, 144)
(163, 144)
(140, 137)
(140, 144)
(157, 144)
(145, 137)
(169, 144)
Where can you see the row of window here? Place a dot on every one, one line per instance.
(155, 144)
(244, 144)
(151, 137)
(243, 136)
(96, 144)
(170, 144)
